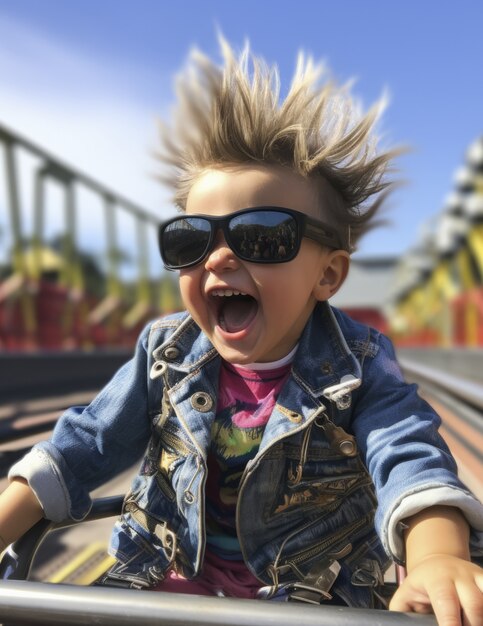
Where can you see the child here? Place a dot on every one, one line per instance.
(284, 456)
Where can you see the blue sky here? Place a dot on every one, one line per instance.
(88, 79)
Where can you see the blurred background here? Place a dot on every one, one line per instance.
(82, 85)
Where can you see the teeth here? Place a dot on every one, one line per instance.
(226, 293)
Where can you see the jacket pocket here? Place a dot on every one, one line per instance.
(332, 546)
(321, 485)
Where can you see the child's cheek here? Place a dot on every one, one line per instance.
(191, 289)
(188, 290)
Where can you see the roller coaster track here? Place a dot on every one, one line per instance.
(459, 402)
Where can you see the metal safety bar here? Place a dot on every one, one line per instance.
(23, 602)
(17, 559)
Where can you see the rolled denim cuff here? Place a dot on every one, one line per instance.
(437, 495)
(38, 469)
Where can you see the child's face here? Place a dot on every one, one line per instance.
(268, 324)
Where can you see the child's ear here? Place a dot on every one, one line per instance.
(334, 272)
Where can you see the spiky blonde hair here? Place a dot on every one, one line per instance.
(233, 115)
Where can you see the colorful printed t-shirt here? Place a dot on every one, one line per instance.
(245, 402)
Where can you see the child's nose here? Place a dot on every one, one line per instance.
(221, 257)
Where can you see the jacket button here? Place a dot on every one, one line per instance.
(171, 353)
(201, 401)
(188, 497)
(295, 417)
(158, 369)
(347, 447)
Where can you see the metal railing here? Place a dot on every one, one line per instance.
(466, 390)
(24, 603)
(121, 305)
(460, 396)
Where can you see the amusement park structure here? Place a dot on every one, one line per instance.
(58, 292)
(437, 298)
(54, 294)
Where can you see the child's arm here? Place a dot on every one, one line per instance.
(19, 511)
(440, 576)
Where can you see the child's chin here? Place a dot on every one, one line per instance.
(232, 355)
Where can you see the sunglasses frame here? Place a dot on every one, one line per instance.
(307, 226)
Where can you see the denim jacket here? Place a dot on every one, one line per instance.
(349, 451)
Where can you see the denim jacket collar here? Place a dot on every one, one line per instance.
(187, 349)
(320, 366)
(333, 359)
(321, 361)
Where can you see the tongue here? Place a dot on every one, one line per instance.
(237, 313)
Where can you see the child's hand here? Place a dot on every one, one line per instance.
(448, 586)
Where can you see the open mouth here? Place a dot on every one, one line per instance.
(235, 310)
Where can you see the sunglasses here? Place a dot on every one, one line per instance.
(259, 235)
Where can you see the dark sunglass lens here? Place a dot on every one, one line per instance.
(184, 241)
(269, 236)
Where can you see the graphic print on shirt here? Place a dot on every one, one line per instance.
(246, 401)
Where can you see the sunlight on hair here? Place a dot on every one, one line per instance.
(233, 114)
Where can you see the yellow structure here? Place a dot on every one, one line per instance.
(443, 306)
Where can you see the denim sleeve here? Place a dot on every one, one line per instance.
(406, 457)
(91, 445)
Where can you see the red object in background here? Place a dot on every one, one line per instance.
(12, 329)
(47, 304)
(467, 310)
(51, 302)
(60, 321)
(370, 317)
